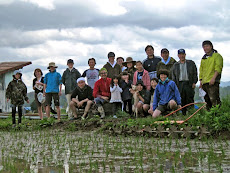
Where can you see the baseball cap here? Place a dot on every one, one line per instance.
(181, 51)
(70, 61)
(164, 50)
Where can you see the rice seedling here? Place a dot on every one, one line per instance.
(107, 153)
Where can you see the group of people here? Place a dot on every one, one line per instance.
(154, 86)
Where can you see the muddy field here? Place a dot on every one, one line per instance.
(58, 151)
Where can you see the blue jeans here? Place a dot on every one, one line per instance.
(99, 100)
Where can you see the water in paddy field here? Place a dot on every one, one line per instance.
(53, 151)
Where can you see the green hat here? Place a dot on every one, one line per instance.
(103, 69)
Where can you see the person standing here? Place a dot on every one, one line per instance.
(101, 91)
(52, 89)
(166, 62)
(184, 74)
(69, 79)
(38, 83)
(150, 63)
(91, 74)
(141, 74)
(210, 74)
(120, 61)
(111, 66)
(115, 95)
(126, 94)
(129, 63)
(16, 92)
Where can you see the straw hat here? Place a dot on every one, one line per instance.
(52, 64)
(129, 59)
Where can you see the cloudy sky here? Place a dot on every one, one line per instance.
(42, 31)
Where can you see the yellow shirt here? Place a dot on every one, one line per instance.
(209, 66)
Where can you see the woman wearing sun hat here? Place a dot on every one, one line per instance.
(129, 63)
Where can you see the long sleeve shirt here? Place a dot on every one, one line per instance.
(115, 94)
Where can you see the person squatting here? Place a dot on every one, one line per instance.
(155, 86)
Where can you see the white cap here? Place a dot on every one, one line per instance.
(17, 71)
(80, 79)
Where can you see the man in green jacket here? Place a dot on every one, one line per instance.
(166, 62)
(210, 74)
(111, 66)
(69, 79)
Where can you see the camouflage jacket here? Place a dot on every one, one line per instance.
(16, 92)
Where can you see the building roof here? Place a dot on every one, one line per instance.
(11, 66)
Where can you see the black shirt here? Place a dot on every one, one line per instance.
(83, 93)
(151, 64)
(139, 75)
(36, 89)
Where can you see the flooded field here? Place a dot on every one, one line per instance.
(55, 151)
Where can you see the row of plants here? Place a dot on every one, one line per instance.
(95, 152)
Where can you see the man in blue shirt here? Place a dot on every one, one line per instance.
(166, 95)
(52, 89)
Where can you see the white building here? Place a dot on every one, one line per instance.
(6, 72)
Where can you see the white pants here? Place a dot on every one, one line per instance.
(68, 110)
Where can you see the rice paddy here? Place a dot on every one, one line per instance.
(65, 151)
(113, 145)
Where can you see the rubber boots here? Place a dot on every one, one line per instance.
(101, 111)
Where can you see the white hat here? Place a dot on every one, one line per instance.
(80, 79)
(41, 98)
(17, 72)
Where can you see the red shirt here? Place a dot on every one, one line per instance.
(102, 88)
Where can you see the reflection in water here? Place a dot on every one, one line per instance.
(66, 161)
(54, 152)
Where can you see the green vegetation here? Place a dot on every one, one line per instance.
(217, 120)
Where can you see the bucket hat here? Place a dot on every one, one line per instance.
(52, 64)
(129, 59)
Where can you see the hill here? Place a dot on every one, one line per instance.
(224, 92)
(225, 84)
(63, 102)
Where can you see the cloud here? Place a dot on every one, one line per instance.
(47, 4)
(48, 30)
(145, 14)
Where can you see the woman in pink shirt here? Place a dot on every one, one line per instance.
(141, 74)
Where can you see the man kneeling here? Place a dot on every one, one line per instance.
(166, 96)
(81, 97)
